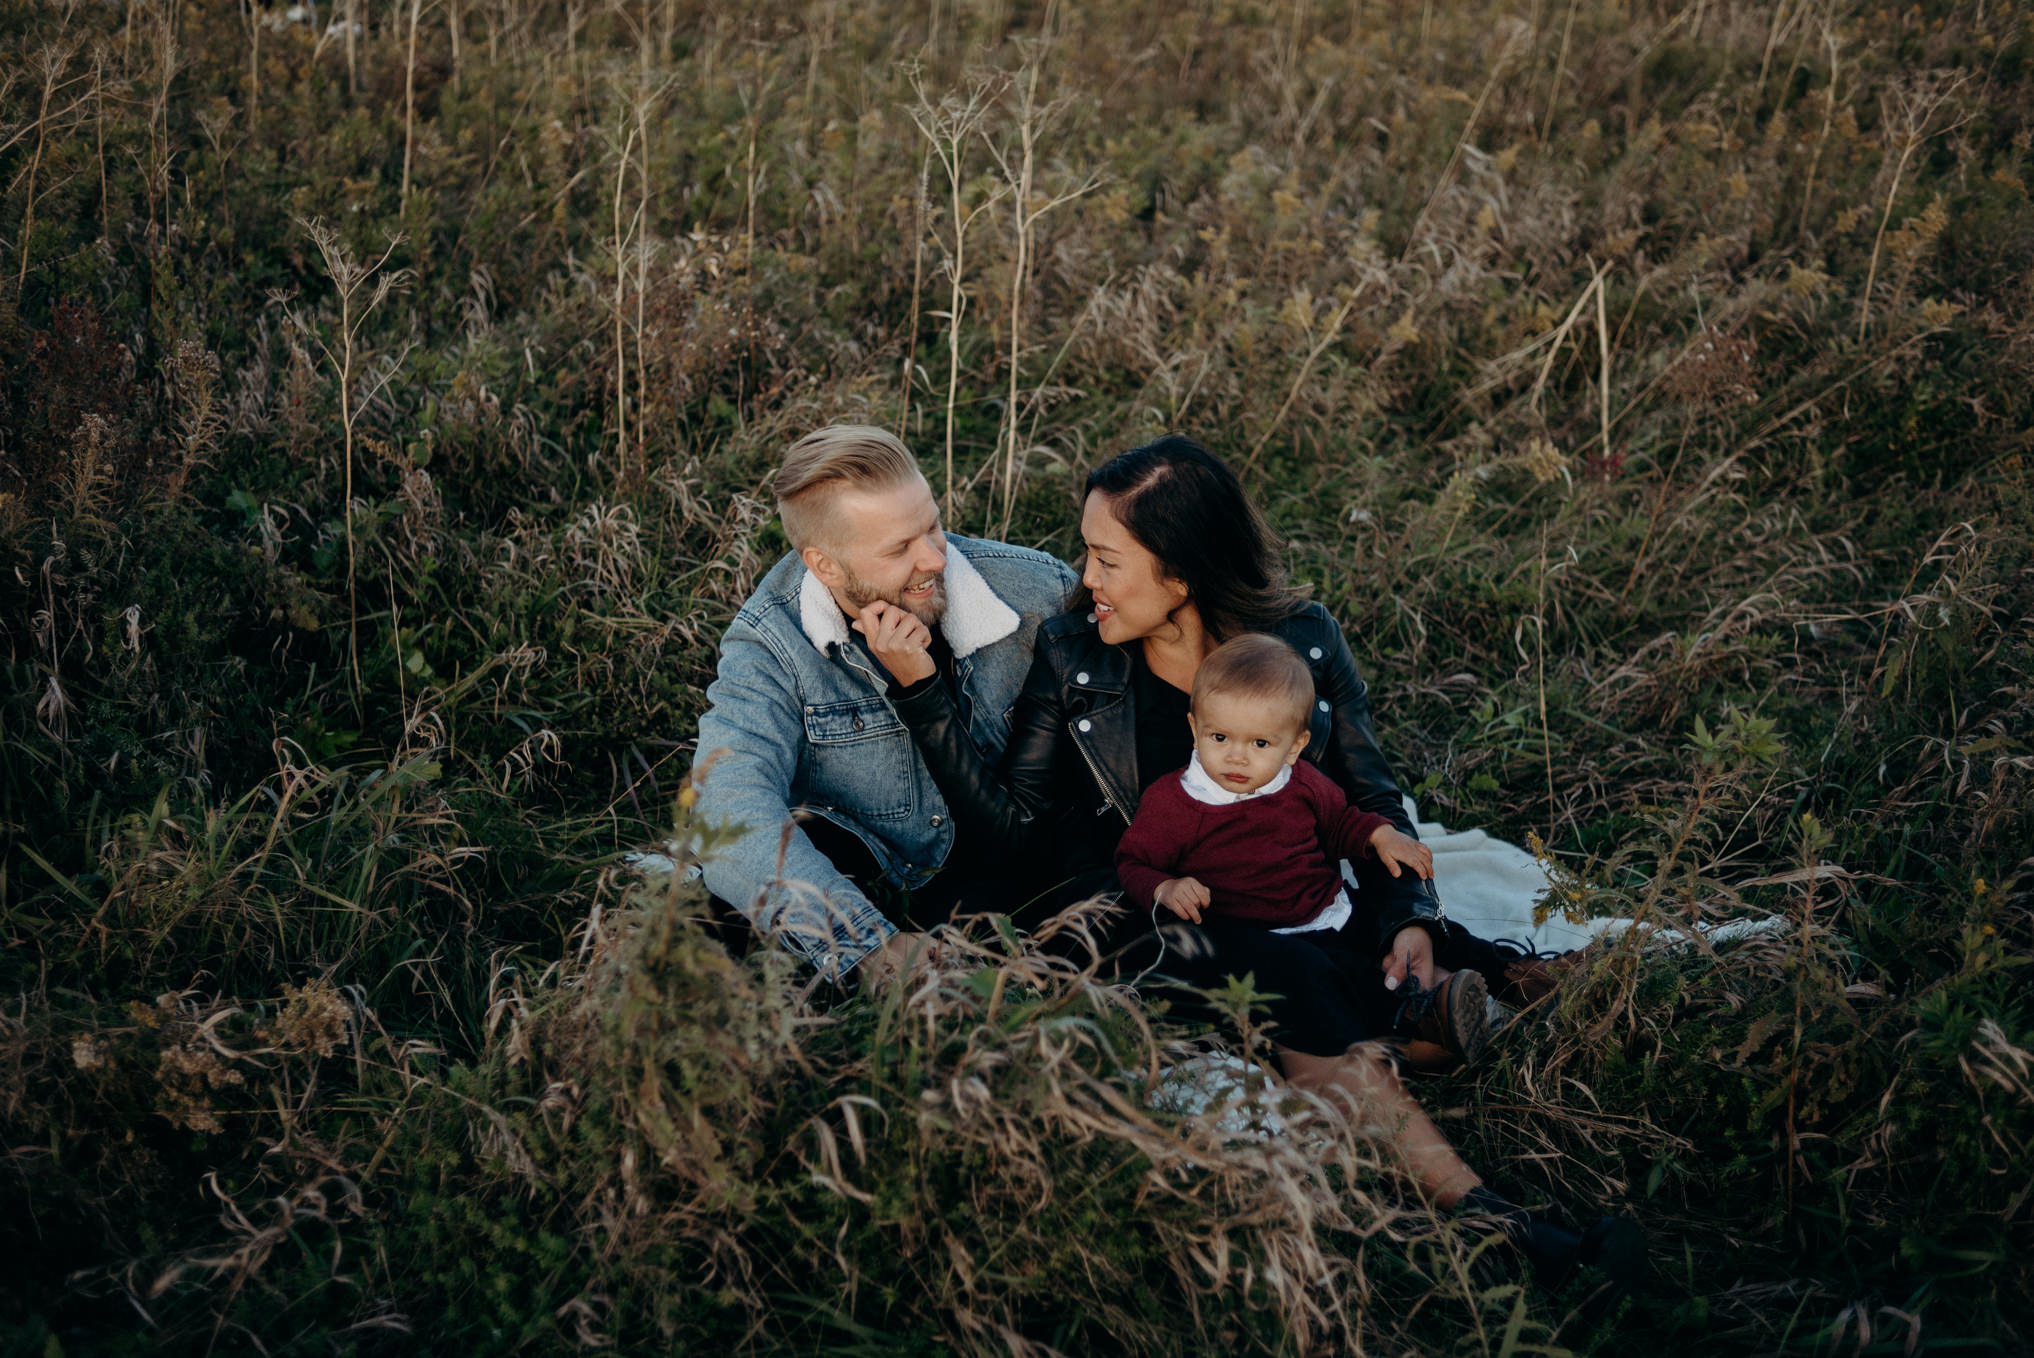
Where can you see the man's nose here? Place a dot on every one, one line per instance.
(931, 556)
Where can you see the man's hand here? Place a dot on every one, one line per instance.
(900, 955)
(1394, 847)
(1184, 896)
(1412, 954)
(898, 640)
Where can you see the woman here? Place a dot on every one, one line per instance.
(1178, 560)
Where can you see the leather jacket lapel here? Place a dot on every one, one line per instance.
(1102, 719)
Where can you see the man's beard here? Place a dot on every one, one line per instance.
(928, 610)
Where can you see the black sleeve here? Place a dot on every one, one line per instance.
(1000, 810)
(904, 693)
(1357, 764)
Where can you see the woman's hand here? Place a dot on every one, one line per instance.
(898, 640)
(1412, 954)
(1394, 847)
(1184, 896)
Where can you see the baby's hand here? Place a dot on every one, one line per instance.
(1395, 847)
(1184, 896)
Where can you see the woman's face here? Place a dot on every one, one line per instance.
(1133, 597)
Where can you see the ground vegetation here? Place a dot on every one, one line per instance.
(387, 396)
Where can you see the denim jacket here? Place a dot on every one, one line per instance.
(799, 718)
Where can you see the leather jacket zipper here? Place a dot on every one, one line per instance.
(1096, 771)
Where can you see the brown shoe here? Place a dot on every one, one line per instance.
(1454, 1015)
(1528, 979)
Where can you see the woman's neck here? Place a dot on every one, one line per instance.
(1175, 654)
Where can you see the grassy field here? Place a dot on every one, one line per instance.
(386, 399)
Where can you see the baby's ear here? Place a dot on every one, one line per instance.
(1292, 755)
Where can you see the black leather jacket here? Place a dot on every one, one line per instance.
(1068, 784)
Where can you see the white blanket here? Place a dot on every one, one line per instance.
(1490, 887)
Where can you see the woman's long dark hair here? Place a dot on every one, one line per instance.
(1185, 506)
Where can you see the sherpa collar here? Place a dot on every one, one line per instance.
(975, 615)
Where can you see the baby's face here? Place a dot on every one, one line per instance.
(1241, 742)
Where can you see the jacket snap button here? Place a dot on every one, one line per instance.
(1081, 678)
(938, 821)
(1087, 725)
(1324, 705)
(810, 709)
(858, 723)
(1315, 653)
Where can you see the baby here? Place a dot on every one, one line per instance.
(1250, 833)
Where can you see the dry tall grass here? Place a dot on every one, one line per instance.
(1644, 386)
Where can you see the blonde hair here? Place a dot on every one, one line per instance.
(826, 459)
(1259, 667)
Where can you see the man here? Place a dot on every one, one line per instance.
(801, 745)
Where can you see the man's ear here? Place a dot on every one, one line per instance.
(821, 565)
(1292, 755)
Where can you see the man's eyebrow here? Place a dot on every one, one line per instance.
(913, 537)
(909, 538)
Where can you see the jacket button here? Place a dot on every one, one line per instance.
(1325, 707)
(1087, 725)
(1315, 653)
(1081, 678)
(858, 723)
(938, 821)
(810, 709)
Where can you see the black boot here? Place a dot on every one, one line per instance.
(1613, 1245)
(1553, 1252)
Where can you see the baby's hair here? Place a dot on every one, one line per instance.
(1259, 667)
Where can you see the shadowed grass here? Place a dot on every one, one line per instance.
(1644, 386)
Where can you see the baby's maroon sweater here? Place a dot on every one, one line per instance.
(1268, 860)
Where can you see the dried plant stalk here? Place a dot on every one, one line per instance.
(410, 102)
(357, 302)
(950, 125)
(1914, 104)
(1019, 171)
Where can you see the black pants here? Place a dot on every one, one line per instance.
(1325, 990)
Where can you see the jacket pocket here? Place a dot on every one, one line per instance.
(844, 723)
(860, 760)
